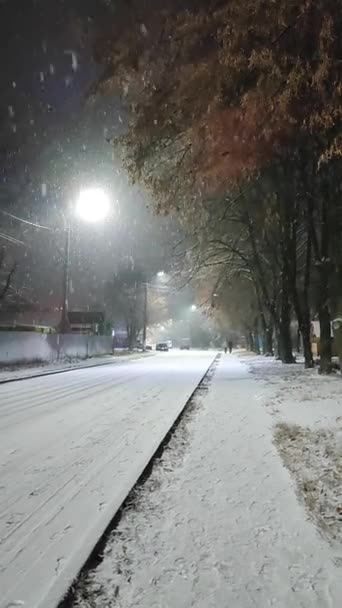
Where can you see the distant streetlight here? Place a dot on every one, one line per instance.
(161, 274)
(92, 206)
(193, 308)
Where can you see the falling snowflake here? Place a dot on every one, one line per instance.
(11, 111)
(44, 189)
(143, 30)
(74, 60)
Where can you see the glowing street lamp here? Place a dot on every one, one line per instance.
(193, 308)
(93, 205)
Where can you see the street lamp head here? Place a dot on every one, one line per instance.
(93, 205)
(161, 274)
(193, 307)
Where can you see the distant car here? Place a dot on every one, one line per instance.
(185, 344)
(162, 346)
(148, 347)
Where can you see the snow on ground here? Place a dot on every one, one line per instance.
(71, 447)
(218, 523)
(20, 372)
(307, 410)
(296, 395)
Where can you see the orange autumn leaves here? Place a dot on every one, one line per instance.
(235, 83)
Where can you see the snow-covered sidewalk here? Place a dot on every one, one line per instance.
(218, 524)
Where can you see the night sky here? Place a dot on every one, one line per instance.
(54, 141)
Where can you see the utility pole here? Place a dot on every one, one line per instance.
(146, 285)
(64, 326)
(145, 317)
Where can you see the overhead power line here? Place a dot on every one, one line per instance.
(11, 239)
(20, 219)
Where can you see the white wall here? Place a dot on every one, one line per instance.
(29, 347)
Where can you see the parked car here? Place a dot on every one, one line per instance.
(162, 346)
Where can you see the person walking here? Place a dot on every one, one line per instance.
(230, 346)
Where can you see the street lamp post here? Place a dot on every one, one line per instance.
(92, 206)
(160, 275)
(145, 317)
(64, 323)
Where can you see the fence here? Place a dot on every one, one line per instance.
(18, 347)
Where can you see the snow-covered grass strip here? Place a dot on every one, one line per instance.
(315, 460)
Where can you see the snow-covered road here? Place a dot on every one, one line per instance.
(71, 447)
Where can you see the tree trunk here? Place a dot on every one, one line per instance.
(305, 330)
(267, 332)
(337, 326)
(251, 344)
(304, 327)
(256, 342)
(268, 338)
(288, 263)
(130, 336)
(285, 342)
(290, 276)
(322, 255)
(306, 336)
(325, 339)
